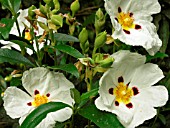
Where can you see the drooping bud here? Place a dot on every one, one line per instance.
(56, 5)
(100, 40)
(8, 78)
(75, 6)
(57, 20)
(99, 20)
(83, 37)
(106, 63)
(43, 9)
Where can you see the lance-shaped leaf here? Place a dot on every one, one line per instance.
(100, 118)
(69, 50)
(65, 37)
(70, 68)
(37, 115)
(86, 95)
(11, 56)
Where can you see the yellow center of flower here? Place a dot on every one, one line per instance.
(126, 20)
(39, 100)
(123, 93)
(28, 36)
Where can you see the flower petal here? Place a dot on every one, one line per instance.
(142, 112)
(15, 102)
(156, 96)
(145, 37)
(146, 75)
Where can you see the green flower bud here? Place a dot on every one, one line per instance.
(99, 20)
(75, 6)
(86, 47)
(43, 9)
(106, 63)
(31, 12)
(83, 36)
(98, 57)
(47, 1)
(57, 20)
(8, 78)
(56, 5)
(100, 40)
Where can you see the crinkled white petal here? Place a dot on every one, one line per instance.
(156, 96)
(15, 102)
(146, 75)
(145, 37)
(142, 112)
(45, 81)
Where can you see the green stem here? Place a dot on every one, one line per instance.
(18, 27)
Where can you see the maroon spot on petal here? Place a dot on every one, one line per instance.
(137, 26)
(131, 14)
(48, 94)
(36, 92)
(129, 105)
(135, 90)
(111, 91)
(119, 10)
(127, 84)
(116, 103)
(29, 104)
(126, 31)
(26, 30)
(116, 19)
(35, 33)
(120, 79)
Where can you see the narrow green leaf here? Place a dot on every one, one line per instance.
(164, 34)
(157, 55)
(37, 115)
(22, 44)
(65, 37)
(100, 118)
(69, 50)
(86, 95)
(162, 118)
(75, 95)
(7, 24)
(70, 68)
(11, 56)
(16, 5)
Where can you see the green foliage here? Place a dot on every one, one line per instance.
(65, 37)
(11, 56)
(100, 118)
(37, 115)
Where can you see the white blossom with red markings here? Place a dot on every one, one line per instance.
(42, 86)
(126, 89)
(131, 20)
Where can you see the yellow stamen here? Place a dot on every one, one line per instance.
(126, 20)
(123, 93)
(28, 36)
(39, 100)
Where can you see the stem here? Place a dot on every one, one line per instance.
(18, 27)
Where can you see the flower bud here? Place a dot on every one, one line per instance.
(83, 36)
(56, 5)
(31, 12)
(47, 1)
(106, 63)
(100, 40)
(99, 20)
(8, 78)
(43, 9)
(57, 20)
(75, 6)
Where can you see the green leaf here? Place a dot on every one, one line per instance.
(6, 26)
(69, 50)
(11, 56)
(75, 95)
(164, 34)
(22, 44)
(12, 5)
(70, 68)
(86, 95)
(65, 37)
(37, 115)
(162, 118)
(100, 118)
(15, 82)
(157, 55)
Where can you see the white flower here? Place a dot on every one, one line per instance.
(131, 20)
(21, 21)
(126, 89)
(46, 86)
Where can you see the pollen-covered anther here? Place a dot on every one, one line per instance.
(39, 100)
